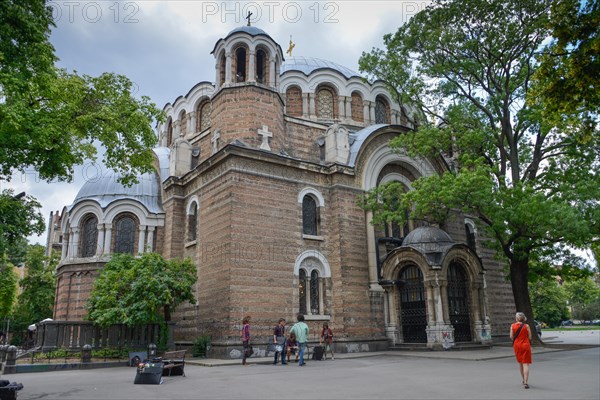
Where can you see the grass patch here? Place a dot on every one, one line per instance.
(572, 328)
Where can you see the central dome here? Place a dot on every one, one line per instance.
(427, 235)
(107, 189)
(308, 65)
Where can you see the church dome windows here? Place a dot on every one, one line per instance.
(382, 110)
(240, 64)
(125, 228)
(89, 235)
(357, 107)
(261, 66)
(293, 101)
(203, 116)
(326, 101)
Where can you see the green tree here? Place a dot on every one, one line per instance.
(8, 287)
(19, 217)
(467, 66)
(584, 298)
(549, 301)
(140, 290)
(50, 119)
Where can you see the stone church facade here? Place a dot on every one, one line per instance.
(257, 180)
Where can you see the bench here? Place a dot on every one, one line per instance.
(174, 361)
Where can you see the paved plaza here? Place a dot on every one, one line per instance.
(567, 370)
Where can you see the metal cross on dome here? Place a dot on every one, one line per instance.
(248, 17)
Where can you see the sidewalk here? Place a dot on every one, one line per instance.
(552, 344)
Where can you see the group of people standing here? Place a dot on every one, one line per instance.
(287, 344)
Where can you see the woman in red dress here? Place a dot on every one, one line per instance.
(521, 337)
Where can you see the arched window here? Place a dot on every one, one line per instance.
(125, 235)
(203, 116)
(293, 101)
(357, 107)
(382, 111)
(310, 216)
(240, 64)
(314, 293)
(169, 132)
(325, 103)
(222, 68)
(470, 232)
(183, 122)
(261, 66)
(89, 236)
(302, 291)
(192, 221)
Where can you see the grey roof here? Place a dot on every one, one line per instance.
(162, 153)
(357, 139)
(251, 30)
(107, 189)
(430, 241)
(308, 65)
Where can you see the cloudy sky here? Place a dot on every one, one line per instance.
(164, 48)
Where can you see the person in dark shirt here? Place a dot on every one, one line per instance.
(291, 346)
(279, 341)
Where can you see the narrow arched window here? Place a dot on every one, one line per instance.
(183, 122)
(314, 292)
(357, 108)
(382, 111)
(310, 216)
(125, 235)
(470, 233)
(293, 101)
(169, 132)
(222, 68)
(325, 103)
(89, 238)
(192, 221)
(203, 116)
(261, 66)
(302, 291)
(240, 65)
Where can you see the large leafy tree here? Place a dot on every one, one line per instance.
(51, 119)
(19, 217)
(140, 290)
(549, 301)
(584, 298)
(468, 68)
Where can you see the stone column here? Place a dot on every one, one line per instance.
(251, 66)
(372, 113)
(65, 245)
(141, 238)
(430, 304)
(100, 245)
(305, 105)
(311, 106)
(150, 239)
(74, 247)
(108, 239)
(193, 121)
(176, 129)
(189, 129)
(341, 107)
(366, 114)
(227, 68)
(371, 251)
(349, 108)
(217, 75)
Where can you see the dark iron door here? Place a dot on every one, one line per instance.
(458, 303)
(413, 312)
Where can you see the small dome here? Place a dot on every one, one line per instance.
(308, 65)
(427, 235)
(107, 189)
(251, 30)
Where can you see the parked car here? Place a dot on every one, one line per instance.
(567, 323)
(538, 328)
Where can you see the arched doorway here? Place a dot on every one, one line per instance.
(458, 303)
(413, 311)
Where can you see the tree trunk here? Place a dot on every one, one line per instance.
(167, 311)
(519, 270)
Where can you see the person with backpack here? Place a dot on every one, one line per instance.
(300, 329)
(326, 340)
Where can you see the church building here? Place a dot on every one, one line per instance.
(257, 181)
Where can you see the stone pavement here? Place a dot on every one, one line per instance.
(570, 369)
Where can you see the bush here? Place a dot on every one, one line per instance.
(200, 345)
